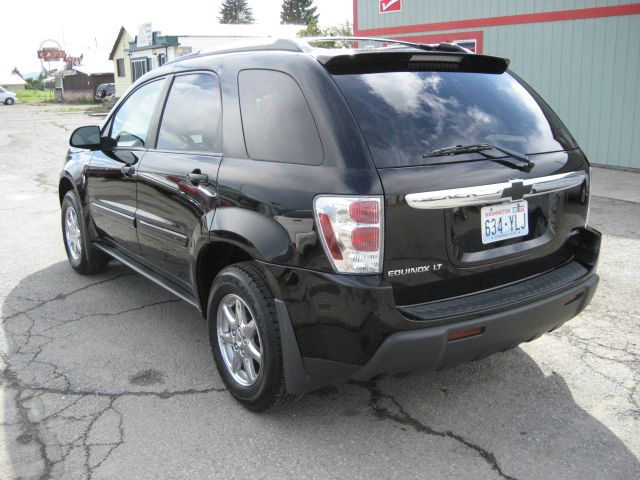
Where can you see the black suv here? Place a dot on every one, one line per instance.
(339, 213)
(105, 90)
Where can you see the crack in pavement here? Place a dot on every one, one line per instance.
(62, 296)
(621, 356)
(35, 425)
(403, 418)
(32, 428)
(109, 314)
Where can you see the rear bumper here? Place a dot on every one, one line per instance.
(429, 348)
(335, 327)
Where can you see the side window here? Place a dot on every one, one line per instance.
(192, 119)
(276, 119)
(131, 121)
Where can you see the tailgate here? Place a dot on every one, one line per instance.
(459, 222)
(434, 245)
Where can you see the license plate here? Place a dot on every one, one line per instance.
(501, 222)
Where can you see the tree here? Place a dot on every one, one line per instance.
(343, 30)
(313, 30)
(298, 12)
(235, 11)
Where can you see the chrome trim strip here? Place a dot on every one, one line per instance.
(494, 193)
(111, 210)
(163, 230)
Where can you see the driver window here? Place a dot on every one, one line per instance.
(131, 122)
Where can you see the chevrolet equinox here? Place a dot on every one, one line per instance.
(339, 213)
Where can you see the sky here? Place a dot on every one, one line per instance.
(77, 26)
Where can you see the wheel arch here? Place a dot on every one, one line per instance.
(217, 255)
(65, 185)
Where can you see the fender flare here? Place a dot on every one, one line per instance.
(260, 236)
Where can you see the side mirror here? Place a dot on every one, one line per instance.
(87, 138)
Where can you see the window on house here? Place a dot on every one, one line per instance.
(162, 59)
(139, 67)
(120, 67)
(468, 44)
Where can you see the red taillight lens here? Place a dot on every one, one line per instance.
(366, 239)
(329, 236)
(351, 230)
(367, 211)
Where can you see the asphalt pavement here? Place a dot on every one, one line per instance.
(109, 376)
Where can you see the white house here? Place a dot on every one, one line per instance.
(133, 57)
(13, 82)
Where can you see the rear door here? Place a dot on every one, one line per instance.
(111, 177)
(177, 186)
(459, 224)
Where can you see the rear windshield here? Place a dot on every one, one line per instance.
(405, 115)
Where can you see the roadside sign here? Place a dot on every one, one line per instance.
(51, 54)
(387, 6)
(145, 35)
(74, 60)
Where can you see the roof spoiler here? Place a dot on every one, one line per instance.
(438, 60)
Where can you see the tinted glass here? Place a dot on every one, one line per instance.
(192, 119)
(405, 115)
(131, 122)
(120, 67)
(276, 118)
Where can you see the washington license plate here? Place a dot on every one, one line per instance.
(501, 222)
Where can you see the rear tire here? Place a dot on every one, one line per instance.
(245, 337)
(82, 255)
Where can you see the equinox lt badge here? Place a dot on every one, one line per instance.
(410, 270)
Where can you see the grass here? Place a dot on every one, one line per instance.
(36, 96)
(41, 97)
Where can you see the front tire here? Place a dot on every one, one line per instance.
(245, 337)
(9, 101)
(83, 257)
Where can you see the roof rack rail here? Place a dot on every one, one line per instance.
(278, 44)
(303, 45)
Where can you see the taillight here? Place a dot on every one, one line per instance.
(351, 229)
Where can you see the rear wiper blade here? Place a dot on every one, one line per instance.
(480, 148)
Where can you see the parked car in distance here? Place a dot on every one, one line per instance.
(105, 90)
(7, 97)
(339, 213)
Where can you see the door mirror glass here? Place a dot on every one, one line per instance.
(86, 137)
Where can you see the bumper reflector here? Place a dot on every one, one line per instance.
(464, 334)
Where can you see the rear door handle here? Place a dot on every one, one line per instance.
(128, 170)
(198, 178)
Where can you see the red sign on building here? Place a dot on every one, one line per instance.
(387, 6)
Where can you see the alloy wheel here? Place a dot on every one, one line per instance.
(239, 340)
(72, 233)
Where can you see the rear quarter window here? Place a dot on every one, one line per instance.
(276, 119)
